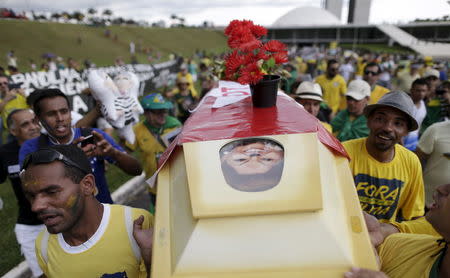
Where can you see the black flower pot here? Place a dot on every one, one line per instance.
(264, 93)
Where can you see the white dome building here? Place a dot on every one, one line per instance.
(307, 16)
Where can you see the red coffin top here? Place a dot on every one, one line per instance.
(241, 119)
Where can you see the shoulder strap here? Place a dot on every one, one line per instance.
(42, 141)
(128, 213)
(44, 245)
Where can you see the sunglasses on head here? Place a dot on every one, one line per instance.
(367, 72)
(47, 156)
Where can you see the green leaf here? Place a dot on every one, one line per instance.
(270, 62)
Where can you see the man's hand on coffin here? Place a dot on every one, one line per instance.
(378, 231)
(356, 272)
(144, 239)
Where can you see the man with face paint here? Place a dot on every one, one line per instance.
(53, 111)
(253, 164)
(23, 125)
(388, 177)
(83, 237)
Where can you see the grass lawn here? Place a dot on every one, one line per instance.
(30, 40)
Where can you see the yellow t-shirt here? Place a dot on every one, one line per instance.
(150, 147)
(327, 127)
(333, 90)
(416, 226)
(389, 191)
(111, 250)
(20, 102)
(377, 93)
(409, 255)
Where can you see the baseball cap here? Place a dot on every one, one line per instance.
(398, 100)
(309, 90)
(358, 89)
(431, 72)
(155, 101)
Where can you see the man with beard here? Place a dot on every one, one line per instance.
(53, 111)
(83, 237)
(388, 177)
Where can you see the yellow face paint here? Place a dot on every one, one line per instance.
(71, 201)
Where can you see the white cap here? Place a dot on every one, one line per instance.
(431, 72)
(309, 90)
(358, 89)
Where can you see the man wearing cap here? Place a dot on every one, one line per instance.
(83, 237)
(371, 75)
(351, 123)
(154, 133)
(333, 86)
(432, 77)
(309, 95)
(388, 177)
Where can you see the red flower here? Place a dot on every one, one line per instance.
(280, 57)
(245, 41)
(250, 74)
(274, 46)
(258, 31)
(247, 63)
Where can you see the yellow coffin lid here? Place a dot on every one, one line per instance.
(205, 230)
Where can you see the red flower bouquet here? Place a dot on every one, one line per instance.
(250, 59)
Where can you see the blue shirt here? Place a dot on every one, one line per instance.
(97, 163)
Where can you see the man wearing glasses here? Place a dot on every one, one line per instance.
(333, 86)
(83, 237)
(53, 111)
(154, 133)
(371, 75)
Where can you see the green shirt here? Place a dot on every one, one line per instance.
(345, 128)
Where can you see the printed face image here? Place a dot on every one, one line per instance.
(253, 164)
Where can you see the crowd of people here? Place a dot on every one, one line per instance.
(392, 118)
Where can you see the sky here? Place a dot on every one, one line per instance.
(220, 12)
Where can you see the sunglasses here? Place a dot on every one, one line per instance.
(367, 72)
(47, 156)
(159, 111)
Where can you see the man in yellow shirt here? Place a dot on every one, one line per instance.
(83, 237)
(388, 177)
(154, 133)
(10, 99)
(371, 75)
(407, 255)
(333, 86)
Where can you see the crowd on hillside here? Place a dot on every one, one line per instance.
(391, 113)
